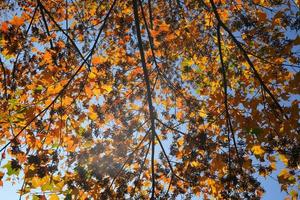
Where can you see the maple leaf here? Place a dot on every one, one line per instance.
(4, 27)
(98, 60)
(17, 21)
(164, 27)
(128, 99)
(108, 88)
(53, 197)
(257, 150)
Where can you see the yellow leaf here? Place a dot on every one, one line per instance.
(195, 164)
(54, 197)
(147, 183)
(54, 89)
(36, 182)
(180, 141)
(257, 150)
(211, 183)
(92, 75)
(134, 106)
(93, 115)
(179, 115)
(135, 166)
(284, 174)
(97, 91)
(108, 88)
(283, 159)
(202, 114)
(59, 186)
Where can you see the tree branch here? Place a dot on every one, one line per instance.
(245, 55)
(149, 98)
(14, 70)
(64, 87)
(128, 158)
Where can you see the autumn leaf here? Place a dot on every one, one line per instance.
(149, 99)
(96, 60)
(17, 21)
(285, 177)
(257, 150)
(93, 115)
(36, 182)
(283, 159)
(147, 184)
(180, 141)
(261, 15)
(53, 197)
(1, 181)
(195, 164)
(4, 27)
(164, 27)
(107, 88)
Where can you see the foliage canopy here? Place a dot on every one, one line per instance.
(149, 99)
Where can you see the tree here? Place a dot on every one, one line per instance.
(149, 99)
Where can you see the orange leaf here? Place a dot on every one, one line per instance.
(17, 21)
(98, 60)
(164, 27)
(180, 141)
(261, 16)
(4, 27)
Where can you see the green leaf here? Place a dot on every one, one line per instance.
(39, 88)
(10, 170)
(47, 187)
(187, 62)
(34, 197)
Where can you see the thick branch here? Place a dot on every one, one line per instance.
(228, 118)
(4, 79)
(148, 87)
(171, 85)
